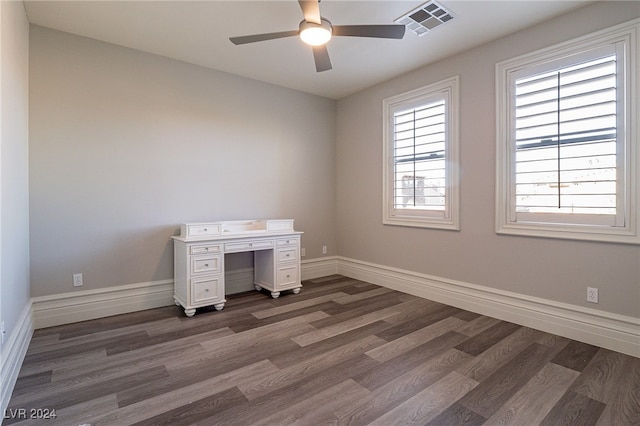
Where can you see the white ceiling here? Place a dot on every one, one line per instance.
(198, 32)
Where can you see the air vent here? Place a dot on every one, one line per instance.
(425, 18)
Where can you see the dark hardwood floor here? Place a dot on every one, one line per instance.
(341, 352)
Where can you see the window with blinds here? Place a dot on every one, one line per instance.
(567, 146)
(565, 140)
(419, 136)
(420, 145)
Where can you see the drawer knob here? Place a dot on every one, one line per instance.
(250, 244)
(206, 265)
(206, 249)
(205, 229)
(288, 255)
(206, 290)
(288, 276)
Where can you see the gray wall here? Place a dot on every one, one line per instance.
(558, 270)
(14, 166)
(125, 146)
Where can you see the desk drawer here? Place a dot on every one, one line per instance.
(289, 241)
(200, 229)
(208, 264)
(248, 245)
(288, 275)
(205, 249)
(209, 289)
(287, 254)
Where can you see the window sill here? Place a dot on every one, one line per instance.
(421, 222)
(568, 232)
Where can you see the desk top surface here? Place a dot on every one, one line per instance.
(246, 235)
(235, 229)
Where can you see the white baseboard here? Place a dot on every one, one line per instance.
(85, 305)
(612, 331)
(13, 354)
(608, 330)
(91, 304)
(320, 267)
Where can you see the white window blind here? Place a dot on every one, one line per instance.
(419, 157)
(565, 140)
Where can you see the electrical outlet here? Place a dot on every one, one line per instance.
(303, 253)
(77, 280)
(324, 249)
(592, 295)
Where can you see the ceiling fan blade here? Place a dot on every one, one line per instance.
(321, 56)
(379, 31)
(262, 37)
(310, 10)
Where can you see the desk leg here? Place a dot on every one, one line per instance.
(258, 288)
(275, 294)
(296, 290)
(190, 312)
(218, 306)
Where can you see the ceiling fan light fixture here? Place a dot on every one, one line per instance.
(315, 34)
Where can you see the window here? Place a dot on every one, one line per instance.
(567, 148)
(421, 157)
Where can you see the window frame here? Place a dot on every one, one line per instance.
(627, 143)
(424, 218)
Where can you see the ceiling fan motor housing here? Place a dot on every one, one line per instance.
(316, 34)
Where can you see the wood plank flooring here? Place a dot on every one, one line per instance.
(342, 352)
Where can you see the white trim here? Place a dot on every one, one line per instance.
(505, 222)
(91, 304)
(85, 305)
(13, 353)
(320, 267)
(608, 330)
(612, 331)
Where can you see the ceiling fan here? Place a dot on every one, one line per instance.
(317, 31)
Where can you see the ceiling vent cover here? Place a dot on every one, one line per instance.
(425, 18)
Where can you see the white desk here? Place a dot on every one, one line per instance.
(199, 259)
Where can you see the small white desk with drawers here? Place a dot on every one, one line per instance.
(199, 259)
